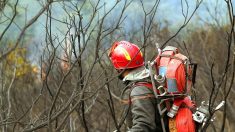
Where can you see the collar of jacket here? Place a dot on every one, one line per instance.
(137, 74)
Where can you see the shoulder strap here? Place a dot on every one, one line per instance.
(173, 57)
(170, 48)
(149, 85)
(146, 84)
(129, 100)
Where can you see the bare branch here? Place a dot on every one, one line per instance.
(19, 38)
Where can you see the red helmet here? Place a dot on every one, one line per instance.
(125, 55)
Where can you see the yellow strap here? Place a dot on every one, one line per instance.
(125, 101)
(172, 125)
(142, 97)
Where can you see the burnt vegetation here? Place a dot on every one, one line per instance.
(71, 85)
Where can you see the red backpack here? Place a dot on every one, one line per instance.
(174, 71)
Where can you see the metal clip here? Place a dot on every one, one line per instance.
(202, 113)
(162, 90)
(160, 79)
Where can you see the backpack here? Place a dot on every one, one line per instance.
(175, 75)
(174, 71)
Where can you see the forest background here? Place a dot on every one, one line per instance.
(56, 74)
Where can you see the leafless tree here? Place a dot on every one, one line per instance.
(225, 84)
(77, 64)
(77, 88)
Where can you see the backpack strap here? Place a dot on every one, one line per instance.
(127, 102)
(173, 57)
(146, 84)
(150, 86)
(139, 93)
(171, 48)
(132, 86)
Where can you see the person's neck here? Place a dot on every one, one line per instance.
(125, 73)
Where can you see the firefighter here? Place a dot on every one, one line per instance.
(141, 112)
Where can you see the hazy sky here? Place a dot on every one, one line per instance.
(168, 10)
